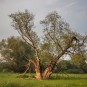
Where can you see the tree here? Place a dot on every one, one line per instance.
(78, 58)
(57, 35)
(64, 65)
(15, 53)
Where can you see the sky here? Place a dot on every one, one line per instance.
(72, 11)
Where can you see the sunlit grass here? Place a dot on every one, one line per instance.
(57, 80)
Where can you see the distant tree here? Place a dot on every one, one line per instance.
(57, 35)
(64, 65)
(78, 60)
(84, 67)
(15, 52)
(79, 56)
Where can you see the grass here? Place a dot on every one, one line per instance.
(57, 80)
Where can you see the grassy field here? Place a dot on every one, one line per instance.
(57, 80)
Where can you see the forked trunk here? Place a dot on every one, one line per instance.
(49, 70)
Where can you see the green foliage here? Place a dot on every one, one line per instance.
(16, 53)
(24, 24)
(84, 67)
(56, 33)
(78, 59)
(75, 71)
(65, 66)
(45, 55)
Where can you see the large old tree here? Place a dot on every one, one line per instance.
(58, 40)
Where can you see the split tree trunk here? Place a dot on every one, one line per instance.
(49, 70)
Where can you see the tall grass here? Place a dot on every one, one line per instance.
(57, 80)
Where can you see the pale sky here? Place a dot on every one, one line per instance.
(73, 11)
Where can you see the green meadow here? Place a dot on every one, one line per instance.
(57, 80)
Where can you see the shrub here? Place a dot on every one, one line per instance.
(75, 71)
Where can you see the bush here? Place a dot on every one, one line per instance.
(75, 71)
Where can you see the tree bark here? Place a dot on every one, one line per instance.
(38, 66)
(38, 70)
(47, 73)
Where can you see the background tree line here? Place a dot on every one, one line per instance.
(16, 52)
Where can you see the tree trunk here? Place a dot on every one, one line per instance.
(38, 65)
(38, 74)
(38, 70)
(47, 73)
